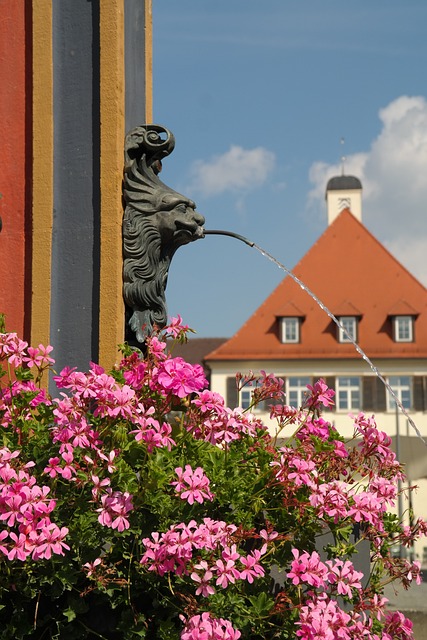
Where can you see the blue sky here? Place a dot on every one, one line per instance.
(259, 95)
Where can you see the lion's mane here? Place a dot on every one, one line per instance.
(147, 249)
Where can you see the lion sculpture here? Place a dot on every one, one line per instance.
(157, 221)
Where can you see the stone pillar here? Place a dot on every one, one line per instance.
(78, 76)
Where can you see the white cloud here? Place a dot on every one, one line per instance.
(237, 169)
(394, 179)
(411, 252)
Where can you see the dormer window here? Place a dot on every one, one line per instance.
(403, 328)
(347, 332)
(290, 329)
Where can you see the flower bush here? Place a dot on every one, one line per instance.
(135, 504)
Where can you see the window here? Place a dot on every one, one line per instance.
(344, 203)
(297, 390)
(246, 397)
(402, 387)
(403, 328)
(290, 327)
(348, 330)
(348, 393)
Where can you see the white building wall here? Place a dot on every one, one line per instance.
(337, 201)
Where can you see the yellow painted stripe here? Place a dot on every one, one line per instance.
(42, 178)
(148, 61)
(111, 316)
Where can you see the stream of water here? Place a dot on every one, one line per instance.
(330, 314)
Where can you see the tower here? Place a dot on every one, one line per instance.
(343, 192)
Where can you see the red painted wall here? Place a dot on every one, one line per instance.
(15, 164)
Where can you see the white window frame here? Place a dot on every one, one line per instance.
(348, 392)
(245, 397)
(350, 324)
(296, 390)
(403, 328)
(402, 387)
(290, 329)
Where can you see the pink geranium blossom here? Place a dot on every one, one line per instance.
(205, 627)
(176, 328)
(251, 567)
(344, 576)
(308, 568)
(115, 508)
(323, 619)
(192, 485)
(202, 575)
(49, 539)
(39, 356)
(226, 572)
(90, 567)
(179, 377)
(320, 395)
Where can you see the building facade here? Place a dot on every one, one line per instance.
(380, 307)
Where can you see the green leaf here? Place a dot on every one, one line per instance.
(70, 614)
(262, 603)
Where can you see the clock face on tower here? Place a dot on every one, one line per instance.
(344, 203)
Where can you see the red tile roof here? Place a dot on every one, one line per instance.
(352, 274)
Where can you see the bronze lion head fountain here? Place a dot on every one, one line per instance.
(157, 221)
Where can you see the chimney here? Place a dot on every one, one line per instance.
(343, 192)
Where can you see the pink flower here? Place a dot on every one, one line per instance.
(414, 571)
(63, 379)
(322, 619)
(115, 508)
(178, 377)
(204, 588)
(151, 432)
(39, 356)
(192, 485)
(12, 348)
(90, 567)
(98, 485)
(173, 550)
(397, 626)
(109, 460)
(156, 348)
(344, 576)
(117, 403)
(68, 470)
(320, 395)
(331, 500)
(226, 572)
(204, 627)
(308, 568)
(135, 377)
(252, 568)
(293, 467)
(176, 328)
(302, 474)
(208, 400)
(49, 540)
(230, 553)
(284, 412)
(53, 467)
(18, 550)
(367, 507)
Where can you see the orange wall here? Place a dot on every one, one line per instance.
(13, 157)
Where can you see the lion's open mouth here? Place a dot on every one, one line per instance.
(188, 233)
